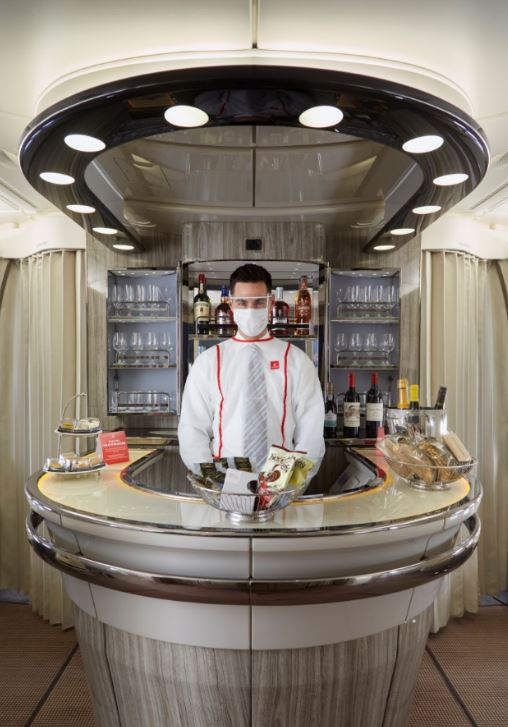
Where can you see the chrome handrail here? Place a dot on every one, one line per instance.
(281, 592)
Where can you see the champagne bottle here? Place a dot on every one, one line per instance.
(403, 387)
(202, 307)
(280, 314)
(414, 396)
(330, 413)
(441, 398)
(373, 408)
(223, 314)
(351, 409)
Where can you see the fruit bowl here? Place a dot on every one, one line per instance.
(255, 507)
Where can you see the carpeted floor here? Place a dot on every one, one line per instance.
(463, 680)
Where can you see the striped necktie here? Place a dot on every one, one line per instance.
(256, 411)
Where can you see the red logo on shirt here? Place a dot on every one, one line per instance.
(274, 365)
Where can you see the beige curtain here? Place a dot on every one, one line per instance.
(42, 349)
(463, 334)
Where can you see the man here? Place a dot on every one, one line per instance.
(252, 390)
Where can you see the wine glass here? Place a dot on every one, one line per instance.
(119, 343)
(340, 346)
(355, 346)
(387, 344)
(371, 345)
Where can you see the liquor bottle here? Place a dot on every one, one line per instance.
(414, 396)
(374, 408)
(403, 387)
(441, 398)
(223, 314)
(202, 307)
(330, 413)
(351, 409)
(303, 307)
(280, 314)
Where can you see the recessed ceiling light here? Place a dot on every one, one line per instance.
(402, 231)
(383, 248)
(447, 180)
(186, 116)
(123, 246)
(82, 142)
(83, 209)
(423, 144)
(321, 117)
(56, 178)
(105, 230)
(428, 209)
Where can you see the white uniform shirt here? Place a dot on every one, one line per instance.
(213, 407)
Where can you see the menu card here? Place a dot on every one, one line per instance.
(113, 446)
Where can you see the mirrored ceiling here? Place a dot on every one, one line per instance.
(353, 186)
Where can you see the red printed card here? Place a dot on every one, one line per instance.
(114, 447)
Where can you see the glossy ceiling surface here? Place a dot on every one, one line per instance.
(351, 185)
(254, 158)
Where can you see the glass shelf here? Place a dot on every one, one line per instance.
(392, 319)
(128, 367)
(212, 337)
(141, 319)
(370, 367)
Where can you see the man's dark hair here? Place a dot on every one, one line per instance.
(250, 273)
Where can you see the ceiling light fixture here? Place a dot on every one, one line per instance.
(402, 231)
(186, 116)
(423, 144)
(321, 117)
(448, 180)
(105, 230)
(383, 248)
(83, 142)
(82, 209)
(57, 178)
(428, 209)
(123, 246)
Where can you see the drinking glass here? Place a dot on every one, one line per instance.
(341, 343)
(371, 345)
(151, 340)
(355, 346)
(387, 344)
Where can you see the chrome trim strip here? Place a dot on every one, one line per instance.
(249, 591)
(37, 501)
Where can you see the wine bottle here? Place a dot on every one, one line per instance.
(303, 307)
(202, 307)
(223, 314)
(403, 387)
(373, 408)
(414, 396)
(351, 409)
(330, 413)
(441, 398)
(280, 314)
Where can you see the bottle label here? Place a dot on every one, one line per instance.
(374, 412)
(224, 318)
(201, 311)
(279, 320)
(351, 413)
(330, 419)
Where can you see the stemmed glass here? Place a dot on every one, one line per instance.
(370, 346)
(340, 346)
(119, 343)
(387, 344)
(355, 346)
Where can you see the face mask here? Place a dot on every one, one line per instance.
(251, 321)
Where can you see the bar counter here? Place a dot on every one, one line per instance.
(184, 618)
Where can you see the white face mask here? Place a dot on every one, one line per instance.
(251, 321)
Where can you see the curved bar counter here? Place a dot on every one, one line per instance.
(185, 619)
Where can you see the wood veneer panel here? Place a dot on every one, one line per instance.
(340, 685)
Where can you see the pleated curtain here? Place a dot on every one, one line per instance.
(42, 359)
(464, 339)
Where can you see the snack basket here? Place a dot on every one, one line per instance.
(421, 474)
(255, 507)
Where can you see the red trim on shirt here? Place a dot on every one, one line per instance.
(252, 340)
(221, 405)
(285, 393)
